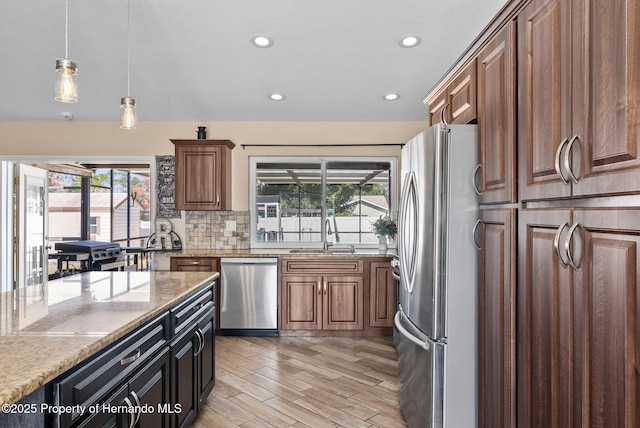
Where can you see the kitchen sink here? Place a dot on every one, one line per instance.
(321, 251)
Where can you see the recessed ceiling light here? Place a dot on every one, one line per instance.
(410, 41)
(391, 97)
(277, 97)
(261, 41)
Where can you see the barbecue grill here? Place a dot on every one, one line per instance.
(94, 255)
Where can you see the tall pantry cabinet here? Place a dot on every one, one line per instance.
(559, 227)
(579, 272)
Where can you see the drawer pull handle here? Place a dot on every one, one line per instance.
(195, 263)
(198, 307)
(131, 359)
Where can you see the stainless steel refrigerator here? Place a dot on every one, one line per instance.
(437, 319)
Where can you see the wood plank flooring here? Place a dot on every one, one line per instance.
(303, 382)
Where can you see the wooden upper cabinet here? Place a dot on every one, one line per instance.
(456, 102)
(605, 97)
(496, 80)
(203, 174)
(579, 92)
(544, 65)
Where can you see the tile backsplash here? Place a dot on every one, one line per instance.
(216, 230)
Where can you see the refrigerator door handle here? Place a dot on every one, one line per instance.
(421, 343)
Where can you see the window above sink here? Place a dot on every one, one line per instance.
(319, 202)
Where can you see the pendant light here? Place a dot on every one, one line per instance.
(128, 118)
(66, 87)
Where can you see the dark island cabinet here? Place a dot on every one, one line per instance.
(192, 357)
(159, 375)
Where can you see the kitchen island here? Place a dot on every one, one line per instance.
(47, 333)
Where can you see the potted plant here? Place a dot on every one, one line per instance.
(385, 227)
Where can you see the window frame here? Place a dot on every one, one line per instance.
(322, 160)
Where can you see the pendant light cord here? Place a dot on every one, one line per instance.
(66, 29)
(128, 48)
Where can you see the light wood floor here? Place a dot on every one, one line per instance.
(303, 382)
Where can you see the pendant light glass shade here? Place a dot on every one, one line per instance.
(128, 118)
(66, 86)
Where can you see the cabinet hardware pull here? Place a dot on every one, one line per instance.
(200, 342)
(557, 162)
(137, 400)
(325, 287)
(556, 242)
(218, 200)
(195, 263)
(319, 288)
(131, 359)
(203, 342)
(473, 180)
(132, 415)
(567, 155)
(444, 109)
(567, 247)
(474, 232)
(198, 307)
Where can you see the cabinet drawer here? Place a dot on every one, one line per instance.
(316, 266)
(192, 308)
(193, 264)
(94, 380)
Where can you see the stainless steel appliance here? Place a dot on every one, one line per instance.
(436, 322)
(249, 296)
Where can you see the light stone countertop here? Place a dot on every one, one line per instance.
(280, 252)
(45, 332)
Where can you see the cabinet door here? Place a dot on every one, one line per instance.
(497, 333)
(606, 96)
(437, 112)
(382, 295)
(184, 375)
(206, 361)
(607, 325)
(496, 118)
(544, 333)
(203, 174)
(544, 92)
(342, 303)
(152, 388)
(462, 95)
(301, 304)
(456, 102)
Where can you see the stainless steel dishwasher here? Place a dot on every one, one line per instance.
(249, 296)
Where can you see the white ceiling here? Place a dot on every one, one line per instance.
(192, 60)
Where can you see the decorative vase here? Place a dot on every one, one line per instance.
(382, 244)
(202, 132)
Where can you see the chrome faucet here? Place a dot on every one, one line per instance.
(326, 245)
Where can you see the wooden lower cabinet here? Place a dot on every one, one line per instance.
(578, 324)
(193, 264)
(497, 335)
(382, 294)
(322, 302)
(336, 296)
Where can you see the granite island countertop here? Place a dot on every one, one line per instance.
(47, 331)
